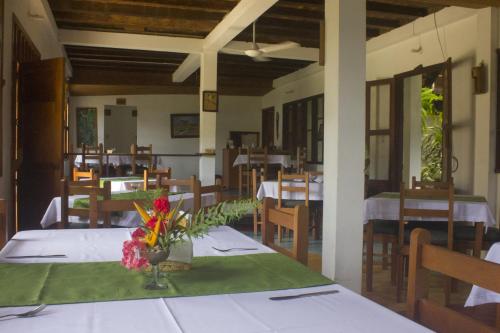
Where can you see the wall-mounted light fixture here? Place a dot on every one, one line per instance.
(480, 77)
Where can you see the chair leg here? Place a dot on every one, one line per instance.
(385, 253)
(369, 256)
(399, 278)
(394, 259)
(255, 221)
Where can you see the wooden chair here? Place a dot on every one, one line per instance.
(258, 176)
(89, 174)
(159, 174)
(142, 154)
(425, 257)
(93, 154)
(301, 179)
(3, 223)
(295, 219)
(256, 158)
(107, 206)
(88, 187)
(301, 159)
(404, 213)
(419, 184)
(200, 190)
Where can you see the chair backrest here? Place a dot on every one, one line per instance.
(93, 154)
(302, 182)
(89, 174)
(258, 176)
(419, 184)
(200, 190)
(159, 175)
(142, 154)
(3, 223)
(301, 159)
(406, 214)
(88, 187)
(258, 157)
(424, 258)
(179, 185)
(296, 220)
(244, 172)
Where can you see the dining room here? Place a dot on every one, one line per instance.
(250, 165)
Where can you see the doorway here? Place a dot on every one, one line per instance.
(268, 127)
(120, 128)
(37, 130)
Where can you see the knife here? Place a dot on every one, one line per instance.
(37, 256)
(319, 293)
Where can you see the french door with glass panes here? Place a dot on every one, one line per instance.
(380, 155)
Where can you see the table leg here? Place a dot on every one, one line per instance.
(369, 256)
(478, 239)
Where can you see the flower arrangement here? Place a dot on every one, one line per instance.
(162, 227)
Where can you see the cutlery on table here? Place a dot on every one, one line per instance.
(235, 249)
(26, 314)
(37, 256)
(319, 293)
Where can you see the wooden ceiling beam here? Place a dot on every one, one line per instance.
(135, 23)
(396, 9)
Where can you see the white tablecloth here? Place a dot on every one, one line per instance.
(126, 219)
(114, 160)
(248, 312)
(269, 189)
(284, 160)
(480, 295)
(463, 211)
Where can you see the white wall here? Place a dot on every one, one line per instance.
(236, 113)
(42, 33)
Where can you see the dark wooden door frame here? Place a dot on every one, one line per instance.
(23, 49)
(265, 125)
(445, 67)
(392, 183)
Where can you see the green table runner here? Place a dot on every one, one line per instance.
(56, 283)
(136, 195)
(458, 197)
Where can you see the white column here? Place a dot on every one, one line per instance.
(344, 140)
(208, 82)
(484, 117)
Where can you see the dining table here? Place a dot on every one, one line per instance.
(270, 189)
(335, 309)
(385, 206)
(479, 295)
(124, 219)
(284, 160)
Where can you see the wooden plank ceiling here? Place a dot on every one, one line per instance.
(295, 20)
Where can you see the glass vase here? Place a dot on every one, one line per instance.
(155, 256)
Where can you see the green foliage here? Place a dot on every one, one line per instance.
(432, 136)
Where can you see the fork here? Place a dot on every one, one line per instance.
(27, 314)
(235, 249)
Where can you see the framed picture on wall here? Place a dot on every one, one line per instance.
(86, 126)
(185, 125)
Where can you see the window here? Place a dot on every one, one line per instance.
(303, 123)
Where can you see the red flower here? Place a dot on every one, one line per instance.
(162, 205)
(138, 233)
(152, 222)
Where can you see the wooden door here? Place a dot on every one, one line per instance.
(268, 127)
(380, 157)
(39, 139)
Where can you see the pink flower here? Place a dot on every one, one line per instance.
(132, 258)
(138, 233)
(162, 205)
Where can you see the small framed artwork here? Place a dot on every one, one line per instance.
(210, 101)
(86, 126)
(185, 125)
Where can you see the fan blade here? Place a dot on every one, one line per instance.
(279, 47)
(261, 59)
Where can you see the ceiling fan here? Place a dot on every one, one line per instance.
(259, 54)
